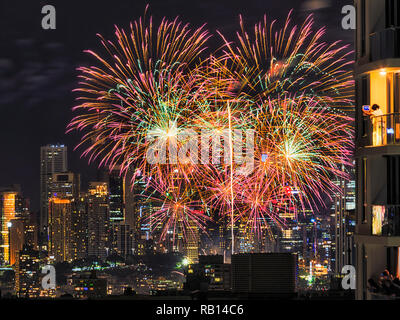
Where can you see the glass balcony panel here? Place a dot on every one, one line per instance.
(386, 221)
(383, 130)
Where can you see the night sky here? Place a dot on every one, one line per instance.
(38, 67)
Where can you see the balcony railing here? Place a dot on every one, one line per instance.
(382, 130)
(386, 220)
(385, 44)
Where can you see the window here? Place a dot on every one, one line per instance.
(386, 221)
(378, 220)
(396, 93)
(392, 16)
(393, 180)
(393, 260)
(364, 189)
(393, 92)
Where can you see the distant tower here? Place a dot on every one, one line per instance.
(60, 233)
(53, 159)
(10, 209)
(116, 186)
(192, 243)
(27, 273)
(343, 209)
(62, 226)
(117, 208)
(98, 219)
(79, 226)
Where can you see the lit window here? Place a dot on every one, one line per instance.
(378, 217)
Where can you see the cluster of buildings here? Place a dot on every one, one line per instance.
(108, 219)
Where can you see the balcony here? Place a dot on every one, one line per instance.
(385, 44)
(382, 130)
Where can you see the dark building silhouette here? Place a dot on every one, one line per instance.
(264, 273)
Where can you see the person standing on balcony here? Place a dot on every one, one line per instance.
(376, 115)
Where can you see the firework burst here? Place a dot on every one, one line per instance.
(285, 84)
(271, 62)
(143, 84)
(179, 210)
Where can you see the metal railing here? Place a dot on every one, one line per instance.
(383, 130)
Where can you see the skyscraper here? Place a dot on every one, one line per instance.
(343, 207)
(79, 227)
(53, 159)
(60, 232)
(64, 219)
(377, 72)
(191, 247)
(98, 220)
(66, 185)
(10, 208)
(119, 231)
(16, 238)
(116, 185)
(27, 273)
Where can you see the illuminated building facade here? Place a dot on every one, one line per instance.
(131, 213)
(53, 159)
(27, 273)
(90, 287)
(66, 185)
(210, 270)
(122, 236)
(66, 223)
(343, 211)
(98, 220)
(137, 209)
(246, 239)
(17, 238)
(30, 234)
(123, 222)
(60, 229)
(10, 209)
(79, 228)
(192, 242)
(116, 185)
(377, 72)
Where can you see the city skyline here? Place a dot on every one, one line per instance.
(203, 151)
